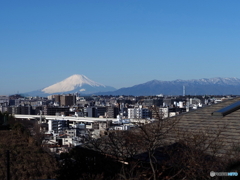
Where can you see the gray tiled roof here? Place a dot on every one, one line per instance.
(202, 120)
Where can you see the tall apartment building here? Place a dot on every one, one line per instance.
(57, 126)
(145, 113)
(65, 100)
(4, 99)
(56, 99)
(138, 113)
(131, 113)
(49, 110)
(112, 112)
(21, 109)
(95, 111)
(100, 111)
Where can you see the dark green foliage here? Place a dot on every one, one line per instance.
(5, 119)
(83, 163)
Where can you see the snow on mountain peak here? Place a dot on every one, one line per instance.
(70, 84)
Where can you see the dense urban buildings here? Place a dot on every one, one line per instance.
(68, 121)
(112, 112)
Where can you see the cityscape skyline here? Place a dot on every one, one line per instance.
(120, 43)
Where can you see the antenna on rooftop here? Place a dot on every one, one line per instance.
(183, 90)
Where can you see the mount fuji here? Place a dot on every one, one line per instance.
(75, 83)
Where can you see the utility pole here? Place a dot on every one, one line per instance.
(40, 117)
(8, 165)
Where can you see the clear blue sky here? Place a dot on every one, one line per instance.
(119, 43)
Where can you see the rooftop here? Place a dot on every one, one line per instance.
(221, 119)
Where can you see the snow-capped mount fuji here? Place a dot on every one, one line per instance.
(75, 83)
(72, 83)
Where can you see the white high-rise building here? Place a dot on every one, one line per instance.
(138, 113)
(131, 113)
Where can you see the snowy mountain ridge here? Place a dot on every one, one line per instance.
(216, 80)
(213, 86)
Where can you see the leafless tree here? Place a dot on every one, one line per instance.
(188, 154)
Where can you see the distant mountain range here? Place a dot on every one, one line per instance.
(85, 86)
(212, 86)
